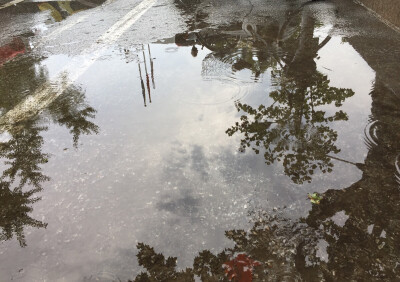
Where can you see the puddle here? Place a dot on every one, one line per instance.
(261, 142)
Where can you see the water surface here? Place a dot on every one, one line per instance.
(208, 145)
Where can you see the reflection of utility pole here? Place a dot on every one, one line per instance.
(151, 67)
(147, 74)
(142, 83)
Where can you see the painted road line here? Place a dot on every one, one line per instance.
(47, 93)
(63, 28)
(127, 21)
(15, 2)
(52, 35)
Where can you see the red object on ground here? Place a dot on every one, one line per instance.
(11, 50)
(240, 268)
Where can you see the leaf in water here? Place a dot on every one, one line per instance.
(315, 198)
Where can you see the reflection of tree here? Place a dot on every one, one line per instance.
(267, 251)
(15, 205)
(364, 245)
(352, 235)
(23, 156)
(71, 110)
(368, 244)
(279, 249)
(158, 268)
(22, 153)
(293, 130)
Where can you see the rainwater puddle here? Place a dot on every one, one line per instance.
(264, 148)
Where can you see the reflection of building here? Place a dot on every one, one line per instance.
(380, 49)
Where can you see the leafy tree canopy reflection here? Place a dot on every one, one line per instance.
(293, 129)
(14, 212)
(21, 150)
(71, 110)
(351, 234)
(277, 248)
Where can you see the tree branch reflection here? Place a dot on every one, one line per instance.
(22, 148)
(293, 129)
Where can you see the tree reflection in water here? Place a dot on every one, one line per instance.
(23, 155)
(353, 233)
(21, 150)
(279, 249)
(268, 250)
(294, 128)
(71, 110)
(15, 206)
(368, 244)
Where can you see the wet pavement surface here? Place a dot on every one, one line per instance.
(258, 140)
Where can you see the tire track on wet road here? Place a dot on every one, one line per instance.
(47, 93)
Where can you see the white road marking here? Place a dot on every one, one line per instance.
(52, 35)
(127, 21)
(65, 27)
(45, 95)
(11, 4)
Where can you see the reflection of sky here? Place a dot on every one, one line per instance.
(167, 174)
(346, 69)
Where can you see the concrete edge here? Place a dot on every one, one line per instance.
(379, 17)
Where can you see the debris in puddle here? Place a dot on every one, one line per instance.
(315, 198)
